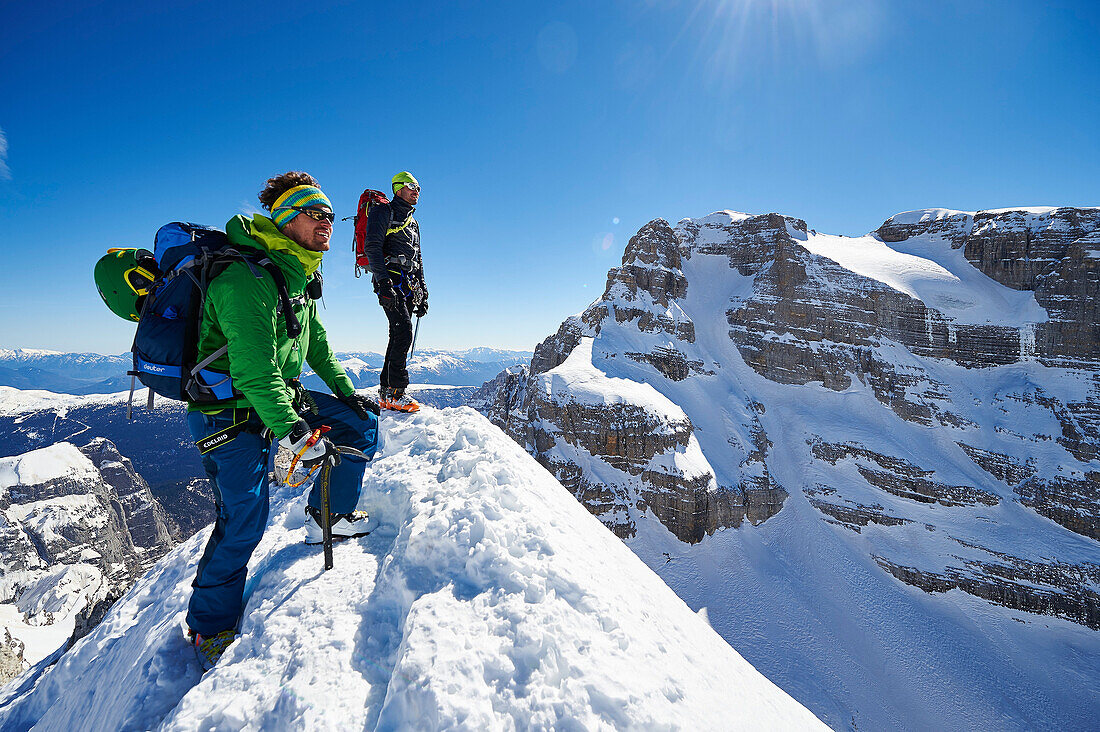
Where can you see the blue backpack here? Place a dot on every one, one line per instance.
(165, 346)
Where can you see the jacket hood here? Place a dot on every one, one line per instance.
(260, 232)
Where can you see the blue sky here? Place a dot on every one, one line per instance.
(544, 135)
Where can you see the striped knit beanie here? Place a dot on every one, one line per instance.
(301, 196)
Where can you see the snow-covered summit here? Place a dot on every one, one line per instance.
(17, 354)
(720, 218)
(487, 598)
(925, 215)
(925, 264)
(62, 460)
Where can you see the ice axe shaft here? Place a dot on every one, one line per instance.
(416, 331)
(326, 515)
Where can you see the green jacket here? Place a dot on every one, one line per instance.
(241, 311)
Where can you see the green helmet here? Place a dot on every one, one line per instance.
(402, 179)
(123, 278)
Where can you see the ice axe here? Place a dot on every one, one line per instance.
(326, 515)
(416, 331)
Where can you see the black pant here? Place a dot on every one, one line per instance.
(395, 372)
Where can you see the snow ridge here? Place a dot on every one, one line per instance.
(487, 598)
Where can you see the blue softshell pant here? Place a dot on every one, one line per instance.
(238, 470)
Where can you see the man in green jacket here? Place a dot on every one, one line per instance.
(242, 312)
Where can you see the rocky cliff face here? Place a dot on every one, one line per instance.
(941, 373)
(624, 447)
(145, 519)
(503, 398)
(77, 527)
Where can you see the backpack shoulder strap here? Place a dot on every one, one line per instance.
(401, 226)
(253, 259)
(293, 326)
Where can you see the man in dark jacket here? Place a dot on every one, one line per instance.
(264, 360)
(393, 247)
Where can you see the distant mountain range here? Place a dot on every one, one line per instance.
(471, 367)
(93, 373)
(64, 373)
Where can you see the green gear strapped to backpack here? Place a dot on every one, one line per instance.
(123, 278)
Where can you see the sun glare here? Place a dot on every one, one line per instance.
(726, 35)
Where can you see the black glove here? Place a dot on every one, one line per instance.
(421, 308)
(359, 404)
(302, 401)
(387, 296)
(315, 454)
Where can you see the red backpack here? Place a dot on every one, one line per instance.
(368, 199)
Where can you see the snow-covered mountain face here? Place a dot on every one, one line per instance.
(915, 408)
(92, 373)
(77, 527)
(485, 599)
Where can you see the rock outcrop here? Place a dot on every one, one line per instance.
(503, 398)
(77, 527)
(11, 658)
(145, 518)
(648, 452)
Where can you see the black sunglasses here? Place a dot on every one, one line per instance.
(315, 213)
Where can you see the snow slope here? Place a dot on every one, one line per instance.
(487, 598)
(45, 615)
(928, 269)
